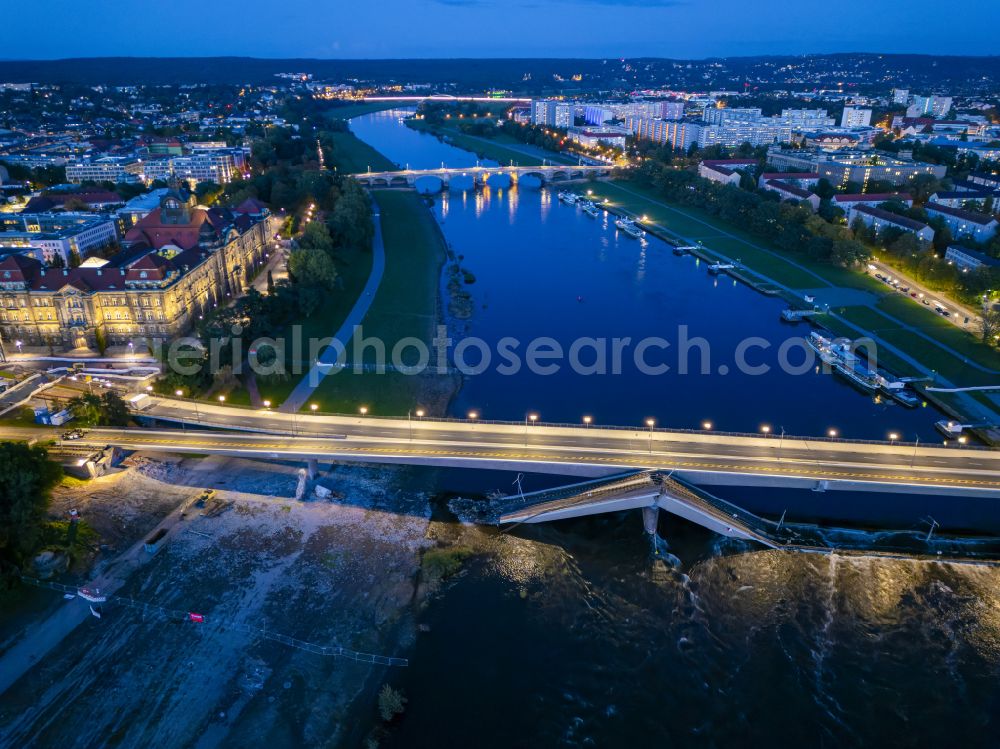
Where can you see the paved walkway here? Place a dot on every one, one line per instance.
(323, 366)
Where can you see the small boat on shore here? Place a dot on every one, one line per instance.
(898, 392)
(629, 226)
(717, 268)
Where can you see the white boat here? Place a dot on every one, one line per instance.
(838, 354)
(898, 392)
(568, 198)
(628, 226)
(590, 209)
(717, 268)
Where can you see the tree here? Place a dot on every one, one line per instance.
(314, 275)
(86, 409)
(989, 324)
(107, 409)
(390, 703)
(27, 477)
(114, 410)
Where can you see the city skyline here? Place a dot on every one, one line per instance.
(484, 28)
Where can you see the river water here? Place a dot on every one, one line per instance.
(547, 270)
(581, 633)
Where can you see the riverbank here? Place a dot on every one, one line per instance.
(502, 149)
(915, 341)
(406, 305)
(341, 572)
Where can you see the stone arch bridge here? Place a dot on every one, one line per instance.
(482, 174)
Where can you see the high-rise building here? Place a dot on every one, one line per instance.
(929, 106)
(855, 117)
(901, 96)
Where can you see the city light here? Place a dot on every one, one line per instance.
(222, 399)
(587, 420)
(313, 407)
(267, 404)
(363, 410)
(765, 429)
(179, 393)
(706, 425)
(832, 432)
(473, 415)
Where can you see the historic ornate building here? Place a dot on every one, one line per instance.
(177, 262)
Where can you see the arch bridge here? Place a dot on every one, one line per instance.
(481, 174)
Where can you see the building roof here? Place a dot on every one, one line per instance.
(45, 203)
(789, 175)
(875, 197)
(729, 162)
(981, 257)
(251, 206)
(891, 218)
(970, 216)
(789, 188)
(961, 195)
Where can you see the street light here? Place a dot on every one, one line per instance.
(893, 436)
(587, 420)
(363, 410)
(706, 425)
(650, 423)
(313, 407)
(765, 428)
(831, 432)
(267, 404)
(473, 415)
(527, 418)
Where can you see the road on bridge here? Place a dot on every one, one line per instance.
(704, 457)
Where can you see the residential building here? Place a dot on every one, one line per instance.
(106, 169)
(788, 191)
(901, 96)
(181, 262)
(981, 201)
(799, 179)
(860, 167)
(881, 220)
(680, 134)
(932, 106)
(978, 226)
(965, 259)
(856, 117)
(846, 202)
(726, 171)
(552, 113)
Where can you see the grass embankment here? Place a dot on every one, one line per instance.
(802, 273)
(503, 149)
(405, 306)
(353, 269)
(353, 156)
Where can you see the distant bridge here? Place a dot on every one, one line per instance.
(482, 174)
(449, 98)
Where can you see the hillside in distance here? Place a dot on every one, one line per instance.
(851, 71)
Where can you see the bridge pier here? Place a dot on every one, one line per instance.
(650, 518)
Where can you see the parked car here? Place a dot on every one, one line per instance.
(73, 434)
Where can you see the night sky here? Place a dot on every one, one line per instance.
(494, 28)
